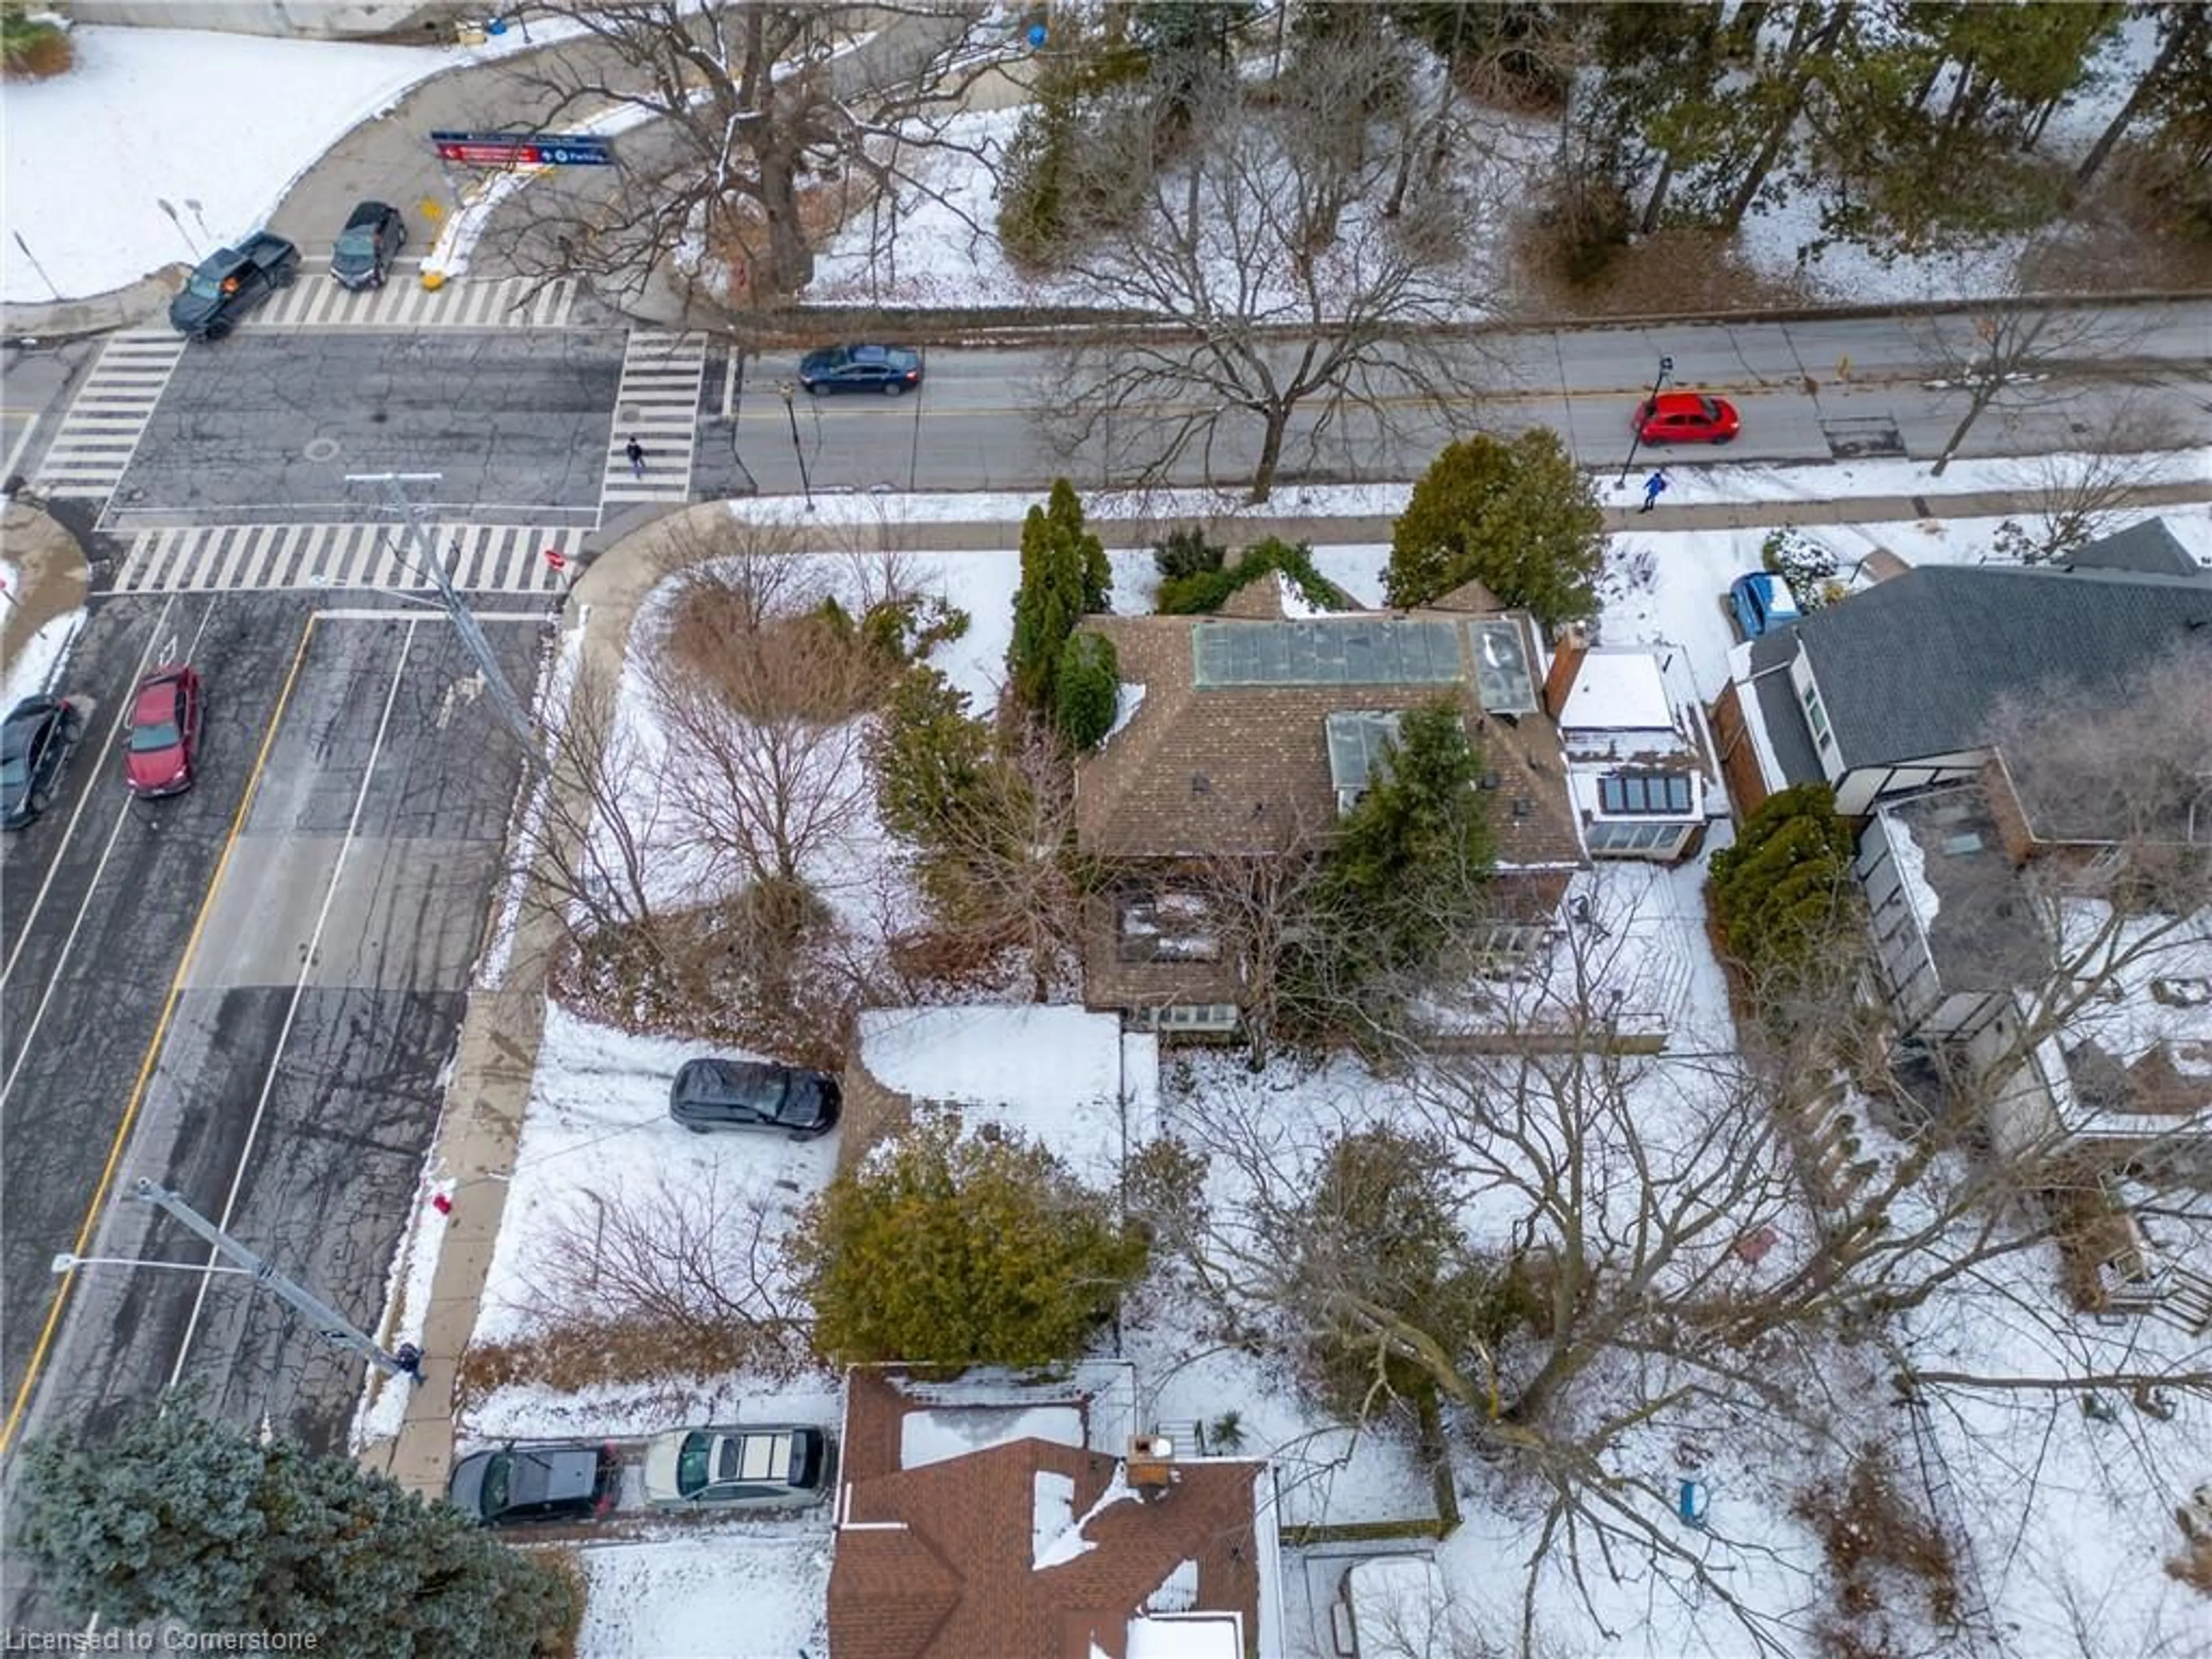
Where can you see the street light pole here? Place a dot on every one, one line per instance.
(1635, 432)
(791, 414)
(464, 620)
(330, 1324)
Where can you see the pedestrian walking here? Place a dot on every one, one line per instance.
(636, 453)
(1654, 488)
(408, 1360)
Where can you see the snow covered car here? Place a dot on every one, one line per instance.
(1762, 602)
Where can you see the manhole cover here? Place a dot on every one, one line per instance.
(321, 449)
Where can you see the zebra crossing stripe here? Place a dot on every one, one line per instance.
(101, 430)
(318, 301)
(656, 403)
(479, 558)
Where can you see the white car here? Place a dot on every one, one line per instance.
(768, 1465)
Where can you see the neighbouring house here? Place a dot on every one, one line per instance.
(1073, 1080)
(1248, 734)
(1636, 766)
(992, 1517)
(1891, 690)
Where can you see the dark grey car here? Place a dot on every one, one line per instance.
(560, 1480)
(371, 239)
(232, 280)
(34, 741)
(752, 1094)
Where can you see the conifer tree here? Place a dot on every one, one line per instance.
(180, 1516)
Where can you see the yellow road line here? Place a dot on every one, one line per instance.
(91, 1214)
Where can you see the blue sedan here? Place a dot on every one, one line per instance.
(889, 370)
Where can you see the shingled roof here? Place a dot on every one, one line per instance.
(942, 1561)
(1198, 771)
(1913, 666)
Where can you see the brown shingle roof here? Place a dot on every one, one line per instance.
(1245, 768)
(938, 1562)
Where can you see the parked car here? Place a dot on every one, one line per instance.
(165, 711)
(558, 1480)
(888, 370)
(232, 281)
(35, 740)
(1762, 602)
(371, 240)
(1674, 417)
(776, 1466)
(752, 1094)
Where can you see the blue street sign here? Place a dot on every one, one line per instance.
(525, 149)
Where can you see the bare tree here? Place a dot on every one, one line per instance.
(1281, 288)
(2008, 355)
(1669, 1243)
(760, 708)
(2080, 497)
(698, 1263)
(734, 117)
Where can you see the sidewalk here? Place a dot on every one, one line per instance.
(504, 1023)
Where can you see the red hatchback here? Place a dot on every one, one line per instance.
(1680, 417)
(165, 731)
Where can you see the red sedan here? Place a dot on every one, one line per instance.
(1679, 417)
(165, 731)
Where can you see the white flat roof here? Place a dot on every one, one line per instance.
(1617, 691)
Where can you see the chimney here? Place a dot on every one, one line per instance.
(1150, 1460)
(1566, 662)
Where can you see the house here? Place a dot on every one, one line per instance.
(1072, 1080)
(1248, 733)
(1637, 773)
(1977, 952)
(988, 1517)
(1892, 690)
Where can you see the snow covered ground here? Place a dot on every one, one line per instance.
(152, 120)
(597, 1125)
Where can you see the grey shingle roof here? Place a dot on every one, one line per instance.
(1911, 667)
(1784, 721)
(2150, 548)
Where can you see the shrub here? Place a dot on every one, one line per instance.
(32, 49)
(1186, 552)
(943, 1250)
(1783, 894)
(1205, 590)
(1519, 516)
(1808, 567)
(1089, 690)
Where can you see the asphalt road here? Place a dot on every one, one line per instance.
(1824, 390)
(264, 426)
(247, 994)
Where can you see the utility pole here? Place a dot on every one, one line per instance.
(427, 559)
(791, 414)
(330, 1324)
(1635, 432)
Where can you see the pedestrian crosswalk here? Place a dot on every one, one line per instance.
(479, 558)
(316, 302)
(103, 426)
(657, 405)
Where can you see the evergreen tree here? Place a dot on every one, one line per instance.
(1090, 690)
(1784, 892)
(1065, 577)
(181, 1516)
(1406, 868)
(931, 760)
(943, 1249)
(1519, 516)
